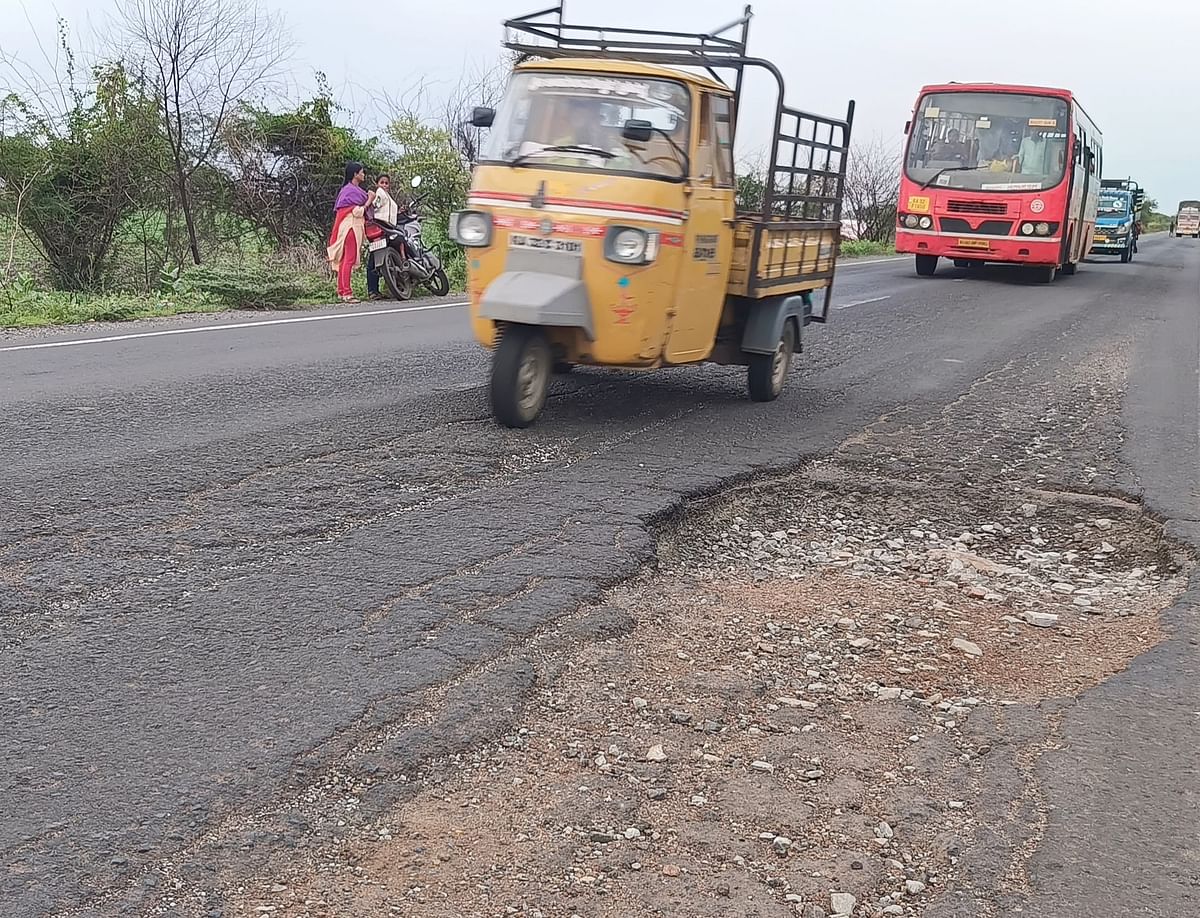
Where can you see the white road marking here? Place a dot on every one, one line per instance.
(875, 299)
(842, 266)
(228, 327)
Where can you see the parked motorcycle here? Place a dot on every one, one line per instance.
(401, 257)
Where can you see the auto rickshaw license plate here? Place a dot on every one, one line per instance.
(521, 241)
(973, 244)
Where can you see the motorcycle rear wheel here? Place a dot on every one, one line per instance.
(398, 281)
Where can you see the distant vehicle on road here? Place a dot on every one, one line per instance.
(1187, 220)
(999, 173)
(1118, 219)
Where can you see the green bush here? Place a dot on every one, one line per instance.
(24, 305)
(858, 248)
(454, 261)
(243, 287)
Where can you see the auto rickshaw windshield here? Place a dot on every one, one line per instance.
(545, 112)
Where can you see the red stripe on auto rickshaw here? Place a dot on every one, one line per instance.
(529, 225)
(574, 202)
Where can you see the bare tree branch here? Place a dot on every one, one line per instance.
(206, 58)
(873, 188)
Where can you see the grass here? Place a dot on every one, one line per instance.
(246, 275)
(25, 303)
(860, 248)
(32, 309)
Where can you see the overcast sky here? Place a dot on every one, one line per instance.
(1135, 67)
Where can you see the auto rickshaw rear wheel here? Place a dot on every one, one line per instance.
(766, 373)
(520, 375)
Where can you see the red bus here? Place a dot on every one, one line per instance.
(997, 173)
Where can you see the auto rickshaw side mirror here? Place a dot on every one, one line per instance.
(637, 130)
(483, 116)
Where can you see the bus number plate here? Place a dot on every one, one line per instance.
(973, 244)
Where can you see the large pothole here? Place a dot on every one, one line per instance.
(824, 679)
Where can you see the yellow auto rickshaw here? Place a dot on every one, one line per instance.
(601, 226)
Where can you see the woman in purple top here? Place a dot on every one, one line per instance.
(345, 239)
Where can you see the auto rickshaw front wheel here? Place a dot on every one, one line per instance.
(521, 371)
(766, 373)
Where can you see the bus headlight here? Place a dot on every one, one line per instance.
(1042, 229)
(1026, 229)
(472, 228)
(911, 221)
(630, 245)
(926, 222)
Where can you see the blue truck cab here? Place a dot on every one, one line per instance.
(1118, 219)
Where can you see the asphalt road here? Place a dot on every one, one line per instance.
(237, 552)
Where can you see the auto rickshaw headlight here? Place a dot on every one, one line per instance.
(630, 245)
(471, 228)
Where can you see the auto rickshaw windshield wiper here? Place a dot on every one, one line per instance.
(561, 148)
(685, 164)
(933, 178)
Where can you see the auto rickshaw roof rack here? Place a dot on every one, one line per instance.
(546, 34)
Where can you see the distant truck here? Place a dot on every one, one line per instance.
(1187, 220)
(1118, 219)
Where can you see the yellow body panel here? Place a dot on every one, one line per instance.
(631, 304)
(625, 68)
(782, 253)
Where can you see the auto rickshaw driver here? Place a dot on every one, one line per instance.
(580, 124)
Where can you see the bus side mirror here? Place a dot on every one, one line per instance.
(637, 131)
(907, 126)
(483, 116)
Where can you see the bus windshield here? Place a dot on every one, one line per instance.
(574, 121)
(1113, 205)
(989, 141)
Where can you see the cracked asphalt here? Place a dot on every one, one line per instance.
(236, 558)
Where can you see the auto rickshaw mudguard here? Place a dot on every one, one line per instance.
(539, 288)
(765, 318)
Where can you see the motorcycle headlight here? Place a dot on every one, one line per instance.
(472, 228)
(630, 245)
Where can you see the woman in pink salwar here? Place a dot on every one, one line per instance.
(346, 237)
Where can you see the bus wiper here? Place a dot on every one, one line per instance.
(933, 178)
(562, 148)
